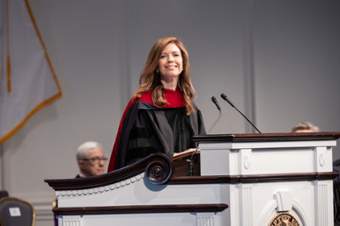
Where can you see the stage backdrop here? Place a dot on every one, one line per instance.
(278, 61)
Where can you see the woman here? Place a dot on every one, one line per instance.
(161, 116)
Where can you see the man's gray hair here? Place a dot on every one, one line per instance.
(304, 126)
(84, 149)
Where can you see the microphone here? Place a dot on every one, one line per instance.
(214, 100)
(224, 97)
(191, 160)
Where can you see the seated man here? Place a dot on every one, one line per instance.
(305, 127)
(91, 160)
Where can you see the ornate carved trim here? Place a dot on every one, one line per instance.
(141, 209)
(156, 160)
(159, 171)
(93, 191)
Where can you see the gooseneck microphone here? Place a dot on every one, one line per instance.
(214, 100)
(191, 160)
(224, 97)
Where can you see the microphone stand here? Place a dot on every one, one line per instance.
(191, 161)
(224, 97)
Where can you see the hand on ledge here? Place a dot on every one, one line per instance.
(186, 151)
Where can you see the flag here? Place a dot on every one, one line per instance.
(27, 79)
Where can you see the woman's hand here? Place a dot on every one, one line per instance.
(186, 151)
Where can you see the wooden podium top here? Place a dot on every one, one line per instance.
(263, 137)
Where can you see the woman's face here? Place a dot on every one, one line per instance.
(170, 64)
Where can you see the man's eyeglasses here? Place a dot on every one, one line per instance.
(95, 160)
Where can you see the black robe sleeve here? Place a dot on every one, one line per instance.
(146, 130)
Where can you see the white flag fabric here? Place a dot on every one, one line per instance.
(27, 79)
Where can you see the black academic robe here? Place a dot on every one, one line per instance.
(146, 129)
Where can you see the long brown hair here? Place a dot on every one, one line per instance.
(150, 79)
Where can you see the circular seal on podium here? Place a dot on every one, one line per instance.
(284, 219)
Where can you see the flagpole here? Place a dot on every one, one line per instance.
(2, 174)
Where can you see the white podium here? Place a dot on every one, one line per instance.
(245, 179)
